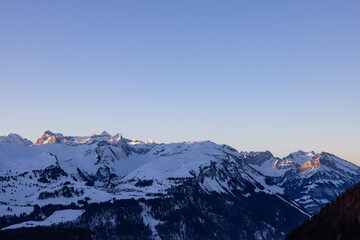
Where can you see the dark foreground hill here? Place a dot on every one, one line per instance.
(339, 220)
(46, 233)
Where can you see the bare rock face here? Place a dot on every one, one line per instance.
(258, 157)
(309, 165)
(50, 137)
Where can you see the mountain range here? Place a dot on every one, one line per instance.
(121, 188)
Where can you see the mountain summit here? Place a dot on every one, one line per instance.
(15, 139)
(50, 137)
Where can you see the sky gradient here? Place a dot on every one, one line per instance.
(256, 75)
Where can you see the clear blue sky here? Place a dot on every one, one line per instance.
(256, 75)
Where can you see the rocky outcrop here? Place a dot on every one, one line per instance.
(309, 165)
(50, 137)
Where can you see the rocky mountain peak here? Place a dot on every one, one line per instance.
(258, 158)
(150, 141)
(116, 138)
(297, 154)
(104, 133)
(15, 138)
(50, 137)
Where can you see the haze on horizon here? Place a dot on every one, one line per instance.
(278, 76)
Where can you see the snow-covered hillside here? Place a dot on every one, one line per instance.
(61, 170)
(312, 179)
(57, 217)
(102, 167)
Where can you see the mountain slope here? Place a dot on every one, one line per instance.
(338, 220)
(312, 179)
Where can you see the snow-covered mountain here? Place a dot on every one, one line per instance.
(161, 184)
(50, 137)
(312, 179)
(15, 139)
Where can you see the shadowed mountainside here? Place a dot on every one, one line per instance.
(339, 220)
